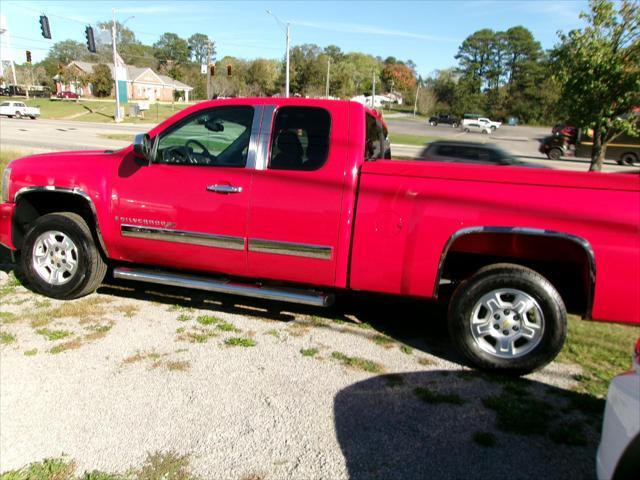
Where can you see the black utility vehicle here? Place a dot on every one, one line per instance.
(445, 119)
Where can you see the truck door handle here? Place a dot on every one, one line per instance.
(224, 189)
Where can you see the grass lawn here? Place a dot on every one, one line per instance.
(125, 137)
(97, 111)
(406, 139)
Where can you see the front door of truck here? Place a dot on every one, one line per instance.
(188, 208)
(295, 213)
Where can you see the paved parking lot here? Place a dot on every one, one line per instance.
(246, 389)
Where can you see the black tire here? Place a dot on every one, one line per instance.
(493, 128)
(91, 268)
(555, 153)
(434, 124)
(628, 158)
(508, 276)
(18, 115)
(454, 125)
(466, 130)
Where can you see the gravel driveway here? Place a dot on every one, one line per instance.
(369, 389)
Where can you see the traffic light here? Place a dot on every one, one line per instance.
(91, 43)
(228, 70)
(44, 26)
(212, 70)
(28, 56)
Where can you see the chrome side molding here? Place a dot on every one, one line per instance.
(283, 294)
(288, 248)
(181, 236)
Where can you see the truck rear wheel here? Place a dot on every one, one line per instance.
(59, 257)
(507, 318)
(18, 115)
(628, 158)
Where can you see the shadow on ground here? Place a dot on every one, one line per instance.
(437, 424)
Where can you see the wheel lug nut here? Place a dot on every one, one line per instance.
(516, 317)
(505, 332)
(515, 328)
(496, 326)
(496, 316)
(507, 312)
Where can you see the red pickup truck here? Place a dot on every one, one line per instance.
(297, 199)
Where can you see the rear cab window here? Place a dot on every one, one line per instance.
(377, 141)
(300, 139)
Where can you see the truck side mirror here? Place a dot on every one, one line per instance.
(142, 147)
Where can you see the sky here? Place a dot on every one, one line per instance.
(427, 32)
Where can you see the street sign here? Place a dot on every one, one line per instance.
(203, 69)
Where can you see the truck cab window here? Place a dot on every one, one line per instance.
(300, 139)
(376, 141)
(214, 137)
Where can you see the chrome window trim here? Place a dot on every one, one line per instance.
(73, 191)
(254, 139)
(264, 143)
(321, 252)
(181, 236)
(583, 243)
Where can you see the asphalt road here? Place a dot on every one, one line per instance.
(47, 135)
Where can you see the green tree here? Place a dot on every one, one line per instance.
(475, 56)
(199, 47)
(599, 71)
(171, 50)
(67, 51)
(101, 80)
(263, 75)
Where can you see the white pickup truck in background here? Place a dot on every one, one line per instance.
(484, 122)
(18, 109)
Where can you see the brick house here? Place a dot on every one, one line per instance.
(142, 83)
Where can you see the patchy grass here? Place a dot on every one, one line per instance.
(87, 310)
(128, 310)
(30, 353)
(603, 351)
(485, 439)
(382, 340)
(309, 352)
(47, 469)
(227, 327)
(424, 361)
(406, 349)
(157, 466)
(183, 317)
(515, 415)
(6, 338)
(195, 336)
(7, 317)
(7, 156)
(53, 335)
(240, 342)
(207, 320)
(273, 332)
(63, 347)
(394, 380)
(431, 397)
(117, 136)
(181, 308)
(408, 139)
(569, 433)
(357, 363)
(178, 366)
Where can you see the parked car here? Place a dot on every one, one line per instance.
(471, 152)
(67, 94)
(474, 126)
(625, 149)
(264, 201)
(619, 451)
(18, 110)
(483, 122)
(444, 119)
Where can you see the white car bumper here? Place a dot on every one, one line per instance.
(621, 422)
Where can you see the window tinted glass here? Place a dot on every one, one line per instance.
(376, 143)
(5, 104)
(215, 137)
(300, 139)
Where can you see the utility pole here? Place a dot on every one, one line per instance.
(373, 90)
(115, 69)
(287, 28)
(4, 31)
(415, 104)
(326, 93)
(209, 76)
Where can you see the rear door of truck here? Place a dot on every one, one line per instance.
(295, 209)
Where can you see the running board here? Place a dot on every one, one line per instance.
(283, 294)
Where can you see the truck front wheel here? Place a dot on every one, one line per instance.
(59, 257)
(507, 318)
